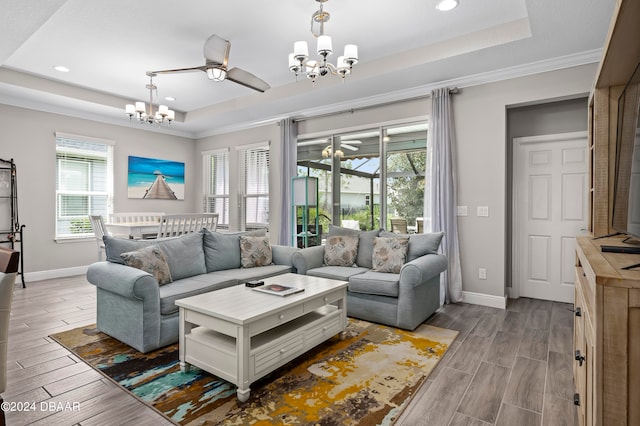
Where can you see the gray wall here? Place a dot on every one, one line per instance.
(28, 137)
(481, 127)
(536, 120)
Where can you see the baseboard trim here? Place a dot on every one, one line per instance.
(499, 302)
(55, 273)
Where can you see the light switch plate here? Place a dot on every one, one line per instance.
(483, 211)
(462, 210)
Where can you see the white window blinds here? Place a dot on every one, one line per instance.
(84, 183)
(216, 200)
(254, 169)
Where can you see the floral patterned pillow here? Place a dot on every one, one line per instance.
(149, 259)
(389, 254)
(341, 250)
(255, 251)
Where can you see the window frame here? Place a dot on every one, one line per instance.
(82, 153)
(225, 195)
(244, 195)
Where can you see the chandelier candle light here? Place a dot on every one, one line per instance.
(139, 110)
(298, 60)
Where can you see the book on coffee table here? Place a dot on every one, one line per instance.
(278, 289)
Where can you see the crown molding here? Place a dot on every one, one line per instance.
(547, 65)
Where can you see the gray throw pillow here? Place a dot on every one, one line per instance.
(365, 243)
(149, 259)
(341, 250)
(255, 251)
(222, 250)
(419, 244)
(184, 254)
(389, 254)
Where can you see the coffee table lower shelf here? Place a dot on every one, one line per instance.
(222, 355)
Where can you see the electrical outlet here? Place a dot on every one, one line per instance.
(462, 210)
(482, 273)
(483, 211)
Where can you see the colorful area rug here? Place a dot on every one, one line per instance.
(366, 379)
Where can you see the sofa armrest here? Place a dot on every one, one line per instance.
(283, 255)
(308, 258)
(123, 280)
(422, 269)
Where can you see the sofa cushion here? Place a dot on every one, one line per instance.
(255, 251)
(419, 244)
(222, 250)
(149, 259)
(389, 254)
(190, 287)
(342, 273)
(365, 243)
(378, 283)
(184, 254)
(341, 250)
(247, 274)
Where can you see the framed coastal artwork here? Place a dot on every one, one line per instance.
(154, 179)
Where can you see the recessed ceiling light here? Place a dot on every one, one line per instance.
(169, 98)
(446, 5)
(61, 68)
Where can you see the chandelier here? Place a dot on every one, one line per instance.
(299, 62)
(139, 110)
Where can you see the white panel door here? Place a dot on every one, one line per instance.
(550, 209)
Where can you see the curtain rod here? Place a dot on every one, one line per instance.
(452, 91)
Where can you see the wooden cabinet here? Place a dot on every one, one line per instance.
(606, 335)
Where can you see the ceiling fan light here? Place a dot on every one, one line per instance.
(216, 74)
(446, 5)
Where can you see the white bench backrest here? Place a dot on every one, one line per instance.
(173, 225)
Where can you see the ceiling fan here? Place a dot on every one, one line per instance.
(348, 144)
(216, 54)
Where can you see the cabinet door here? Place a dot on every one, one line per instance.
(579, 348)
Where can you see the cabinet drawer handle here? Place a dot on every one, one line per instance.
(326, 299)
(576, 399)
(281, 316)
(579, 357)
(282, 351)
(578, 312)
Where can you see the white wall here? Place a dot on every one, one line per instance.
(28, 138)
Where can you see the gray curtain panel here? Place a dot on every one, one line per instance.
(443, 192)
(288, 136)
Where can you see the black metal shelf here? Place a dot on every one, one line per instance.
(9, 191)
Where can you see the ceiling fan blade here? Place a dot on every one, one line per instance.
(247, 79)
(349, 147)
(216, 50)
(191, 69)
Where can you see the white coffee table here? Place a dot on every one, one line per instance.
(241, 335)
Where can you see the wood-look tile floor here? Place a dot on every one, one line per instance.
(507, 367)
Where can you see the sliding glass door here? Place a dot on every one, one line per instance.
(369, 176)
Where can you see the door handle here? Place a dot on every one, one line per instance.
(579, 357)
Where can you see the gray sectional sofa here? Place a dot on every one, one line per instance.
(135, 309)
(404, 299)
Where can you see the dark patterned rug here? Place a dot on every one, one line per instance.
(366, 379)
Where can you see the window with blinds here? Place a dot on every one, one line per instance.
(84, 183)
(216, 198)
(254, 169)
